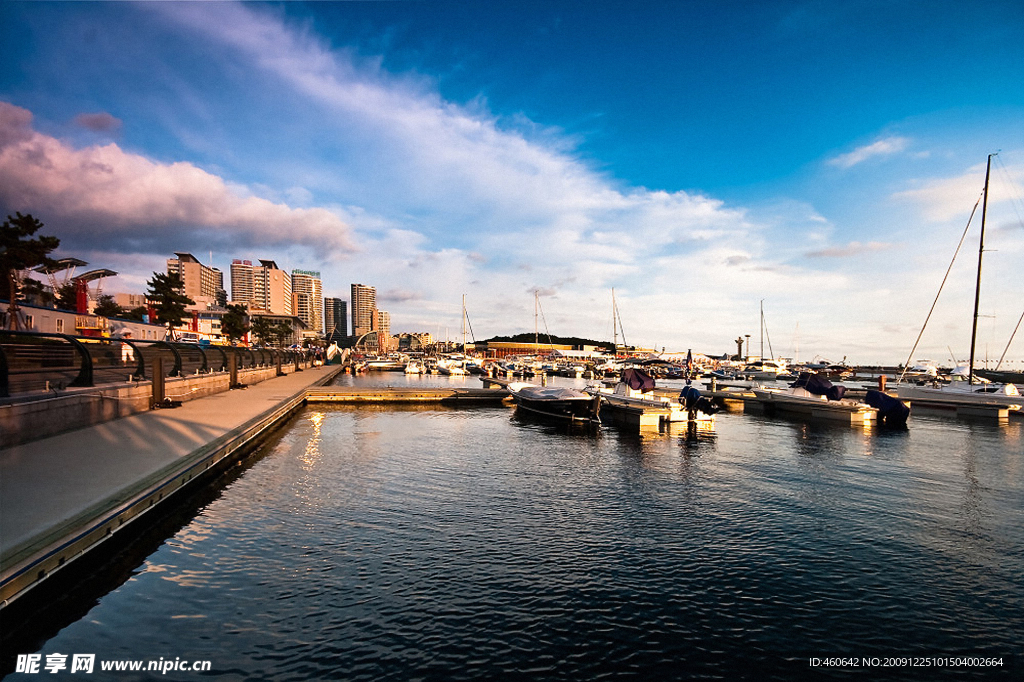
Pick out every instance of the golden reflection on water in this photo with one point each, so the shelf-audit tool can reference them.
(311, 455)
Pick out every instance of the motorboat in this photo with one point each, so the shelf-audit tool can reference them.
(636, 390)
(815, 396)
(561, 403)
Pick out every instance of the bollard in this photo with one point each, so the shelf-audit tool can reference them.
(233, 371)
(881, 383)
(158, 382)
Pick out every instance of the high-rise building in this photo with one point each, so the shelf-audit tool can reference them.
(202, 283)
(243, 285)
(384, 330)
(307, 299)
(264, 287)
(335, 319)
(364, 305)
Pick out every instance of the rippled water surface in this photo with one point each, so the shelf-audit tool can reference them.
(394, 544)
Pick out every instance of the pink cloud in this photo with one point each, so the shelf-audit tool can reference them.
(98, 123)
(111, 194)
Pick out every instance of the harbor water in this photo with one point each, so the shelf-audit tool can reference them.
(435, 543)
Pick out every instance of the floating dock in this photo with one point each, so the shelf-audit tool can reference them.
(392, 395)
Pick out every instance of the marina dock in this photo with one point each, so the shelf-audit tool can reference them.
(394, 395)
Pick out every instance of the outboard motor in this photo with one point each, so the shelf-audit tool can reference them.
(891, 411)
(691, 399)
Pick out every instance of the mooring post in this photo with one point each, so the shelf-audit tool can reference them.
(158, 382)
(233, 371)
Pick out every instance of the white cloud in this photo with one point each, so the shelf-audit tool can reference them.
(106, 192)
(884, 147)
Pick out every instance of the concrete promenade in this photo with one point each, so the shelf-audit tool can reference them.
(61, 495)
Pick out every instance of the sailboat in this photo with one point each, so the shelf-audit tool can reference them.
(973, 391)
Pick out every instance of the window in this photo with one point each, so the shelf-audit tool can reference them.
(30, 322)
(60, 325)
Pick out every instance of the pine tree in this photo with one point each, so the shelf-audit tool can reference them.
(168, 301)
(19, 251)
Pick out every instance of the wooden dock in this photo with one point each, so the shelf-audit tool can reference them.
(393, 395)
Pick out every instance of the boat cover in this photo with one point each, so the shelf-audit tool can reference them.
(819, 385)
(551, 394)
(637, 379)
(890, 410)
(691, 399)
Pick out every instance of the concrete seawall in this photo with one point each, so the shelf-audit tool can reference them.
(30, 418)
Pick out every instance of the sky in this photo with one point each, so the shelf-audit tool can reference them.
(702, 159)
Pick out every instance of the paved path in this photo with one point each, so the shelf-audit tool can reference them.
(46, 482)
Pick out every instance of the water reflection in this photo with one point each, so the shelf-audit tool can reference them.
(468, 543)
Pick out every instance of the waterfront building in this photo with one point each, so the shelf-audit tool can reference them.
(384, 330)
(243, 282)
(202, 283)
(263, 287)
(335, 319)
(364, 306)
(307, 297)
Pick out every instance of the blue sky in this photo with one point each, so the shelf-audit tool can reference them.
(697, 157)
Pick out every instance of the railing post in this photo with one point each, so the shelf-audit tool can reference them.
(280, 372)
(233, 370)
(158, 381)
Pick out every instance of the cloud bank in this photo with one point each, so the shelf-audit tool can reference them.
(105, 193)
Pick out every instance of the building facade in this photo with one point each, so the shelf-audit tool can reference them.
(335, 319)
(307, 299)
(384, 330)
(264, 287)
(364, 309)
(202, 283)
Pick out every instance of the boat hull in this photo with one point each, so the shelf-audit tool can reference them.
(847, 411)
(559, 404)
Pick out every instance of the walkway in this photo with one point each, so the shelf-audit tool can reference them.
(52, 488)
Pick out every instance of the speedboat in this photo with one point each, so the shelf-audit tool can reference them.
(556, 402)
(815, 396)
(636, 390)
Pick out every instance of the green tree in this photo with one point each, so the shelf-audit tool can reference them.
(19, 250)
(283, 331)
(168, 301)
(67, 296)
(263, 329)
(234, 323)
(107, 308)
(34, 293)
(137, 314)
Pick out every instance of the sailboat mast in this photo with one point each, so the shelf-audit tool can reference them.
(463, 323)
(536, 303)
(977, 286)
(615, 327)
(762, 331)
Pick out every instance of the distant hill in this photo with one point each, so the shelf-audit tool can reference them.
(544, 338)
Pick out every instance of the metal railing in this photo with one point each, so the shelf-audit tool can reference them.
(36, 361)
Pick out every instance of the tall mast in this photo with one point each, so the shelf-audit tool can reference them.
(536, 303)
(615, 326)
(463, 323)
(977, 286)
(762, 331)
